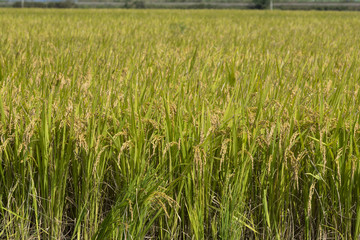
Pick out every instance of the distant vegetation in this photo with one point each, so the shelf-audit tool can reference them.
(255, 4)
(65, 4)
(191, 4)
(179, 125)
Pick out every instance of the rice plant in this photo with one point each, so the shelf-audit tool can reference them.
(158, 124)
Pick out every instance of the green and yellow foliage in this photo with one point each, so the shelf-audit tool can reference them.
(124, 124)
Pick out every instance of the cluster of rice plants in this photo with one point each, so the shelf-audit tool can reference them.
(157, 124)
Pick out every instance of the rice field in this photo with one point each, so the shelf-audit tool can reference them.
(199, 124)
